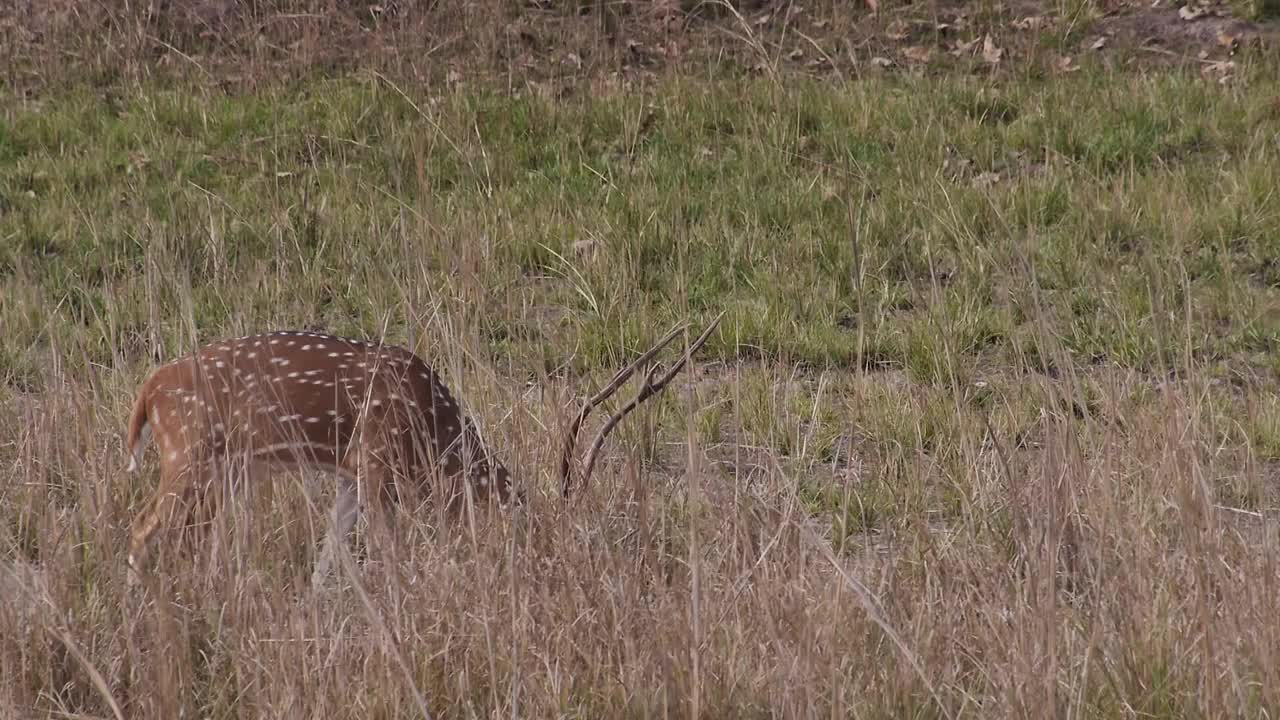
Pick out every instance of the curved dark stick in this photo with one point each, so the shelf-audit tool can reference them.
(648, 390)
(621, 377)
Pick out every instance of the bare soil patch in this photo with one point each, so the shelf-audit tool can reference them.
(238, 44)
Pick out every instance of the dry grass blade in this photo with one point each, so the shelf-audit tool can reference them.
(648, 390)
(389, 640)
(876, 615)
(26, 582)
(619, 378)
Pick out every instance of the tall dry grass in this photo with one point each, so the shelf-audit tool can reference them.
(1083, 564)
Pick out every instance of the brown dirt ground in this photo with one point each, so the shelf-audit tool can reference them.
(557, 44)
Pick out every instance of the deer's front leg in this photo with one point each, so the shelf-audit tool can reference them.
(173, 500)
(343, 517)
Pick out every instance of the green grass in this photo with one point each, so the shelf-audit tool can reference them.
(1032, 415)
(1118, 195)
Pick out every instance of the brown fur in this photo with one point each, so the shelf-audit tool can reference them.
(363, 411)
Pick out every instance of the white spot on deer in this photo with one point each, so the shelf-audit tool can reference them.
(294, 374)
(306, 347)
(313, 419)
(333, 354)
(280, 361)
(252, 355)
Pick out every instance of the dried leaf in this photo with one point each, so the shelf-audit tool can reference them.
(873, 5)
(990, 52)
(918, 53)
(883, 62)
(1066, 64)
(1189, 12)
(897, 30)
(1100, 43)
(1032, 23)
(795, 54)
(963, 46)
(1222, 69)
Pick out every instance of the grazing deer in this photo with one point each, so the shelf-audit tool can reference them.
(356, 410)
(375, 416)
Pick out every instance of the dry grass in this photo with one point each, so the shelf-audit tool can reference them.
(1079, 566)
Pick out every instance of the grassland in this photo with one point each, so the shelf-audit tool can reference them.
(989, 429)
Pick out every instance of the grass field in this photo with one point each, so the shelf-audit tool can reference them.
(990, 427)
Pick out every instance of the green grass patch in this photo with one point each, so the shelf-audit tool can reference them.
(1113, 216)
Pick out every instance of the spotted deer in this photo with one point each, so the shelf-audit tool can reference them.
(373, 415)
